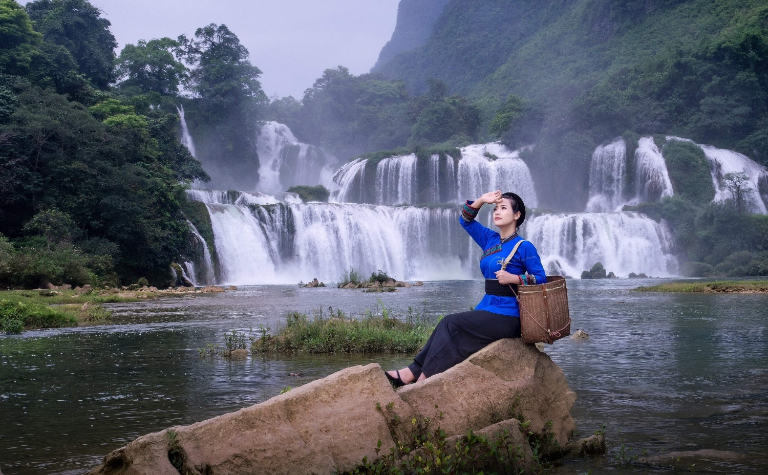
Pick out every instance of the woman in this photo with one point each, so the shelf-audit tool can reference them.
(497, 315)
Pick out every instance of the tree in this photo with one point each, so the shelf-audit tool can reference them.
(117, 176)
(738, 186)
(19, 43)
(54, 225)
(444, 118)
(225, 110)
(77, 25)
(223, 76)
(150, 66)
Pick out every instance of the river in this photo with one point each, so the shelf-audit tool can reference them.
(662, 372)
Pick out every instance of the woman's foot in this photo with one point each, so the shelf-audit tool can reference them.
(400, 377)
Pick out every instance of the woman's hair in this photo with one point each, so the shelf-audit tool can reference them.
(517, 205)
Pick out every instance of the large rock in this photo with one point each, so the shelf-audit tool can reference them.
(329, 425)
(326, 425)
(502, 381)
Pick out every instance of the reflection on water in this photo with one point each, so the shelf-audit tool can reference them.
(663, 372)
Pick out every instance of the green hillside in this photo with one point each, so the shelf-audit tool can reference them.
(590, 70)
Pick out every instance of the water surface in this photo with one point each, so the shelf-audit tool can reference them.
(662, 372)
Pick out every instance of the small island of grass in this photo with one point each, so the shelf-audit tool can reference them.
(721, 286)
(341, 333)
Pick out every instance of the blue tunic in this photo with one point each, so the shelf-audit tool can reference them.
(526, 260)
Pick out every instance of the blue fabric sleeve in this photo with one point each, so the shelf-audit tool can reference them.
(532, 262)
(479, 233)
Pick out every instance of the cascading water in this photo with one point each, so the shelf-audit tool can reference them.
(231, 197)
(186, 139)
(623, 242)
(651, 175)
(286, 162)
(395, 180)
(606, 177)
(723, 162)
(493, 166)
(260, 240)
(285, 243)
(408, 179)
(202, 274)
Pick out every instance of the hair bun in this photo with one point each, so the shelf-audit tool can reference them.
(517, 205)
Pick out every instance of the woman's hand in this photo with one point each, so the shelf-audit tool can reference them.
(490, 197)
(507, 278)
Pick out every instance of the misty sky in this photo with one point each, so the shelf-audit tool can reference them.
(291, 41)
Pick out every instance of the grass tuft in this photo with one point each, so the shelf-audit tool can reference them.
(337, 332)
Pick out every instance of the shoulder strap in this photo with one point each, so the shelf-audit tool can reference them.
(511, 254)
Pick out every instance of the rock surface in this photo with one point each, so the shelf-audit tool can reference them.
(330, 424)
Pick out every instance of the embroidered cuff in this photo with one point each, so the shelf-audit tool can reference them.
(468, 212)
(528, 279)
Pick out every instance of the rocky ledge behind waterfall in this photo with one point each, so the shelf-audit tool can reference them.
(331, 424)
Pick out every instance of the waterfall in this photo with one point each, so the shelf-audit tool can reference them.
(284, 243)
(286, 162)
(231, 197)
(351, 181)
(493, 166)
(727, 161)
(606, 177)
(408, 179)
(202, 274)
(186, 139)
(395, 179)
(622, 242)
(651, 175)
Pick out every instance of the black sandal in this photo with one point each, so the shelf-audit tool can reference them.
(396, 382)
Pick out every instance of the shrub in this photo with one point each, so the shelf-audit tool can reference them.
(689, 171)
(15, 316)
(379, 276)
(351, 276)
(311, 193)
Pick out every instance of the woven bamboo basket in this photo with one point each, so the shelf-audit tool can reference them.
(544, 315)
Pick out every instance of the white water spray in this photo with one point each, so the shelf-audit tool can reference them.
(186, 139)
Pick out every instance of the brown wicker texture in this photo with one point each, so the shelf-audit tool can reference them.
(544, 313)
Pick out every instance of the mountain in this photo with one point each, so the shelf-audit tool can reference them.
(591, 70)
(415, 19)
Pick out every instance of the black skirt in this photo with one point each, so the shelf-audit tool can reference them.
(459, 335)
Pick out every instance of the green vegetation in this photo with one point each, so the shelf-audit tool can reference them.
(92, 171)
(716, 238)
(16, 315)
(341, 333)
(25, 310)
(423, 447)
(78, 26)
(353, 115)
(689, 171)
(311, 193)
(352, 276)
(724, 286)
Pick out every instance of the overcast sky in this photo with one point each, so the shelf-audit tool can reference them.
(291, 41)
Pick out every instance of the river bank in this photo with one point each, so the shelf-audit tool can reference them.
(65, 307)
(722, 286)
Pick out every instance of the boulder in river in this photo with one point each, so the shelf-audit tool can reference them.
(331, 424)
